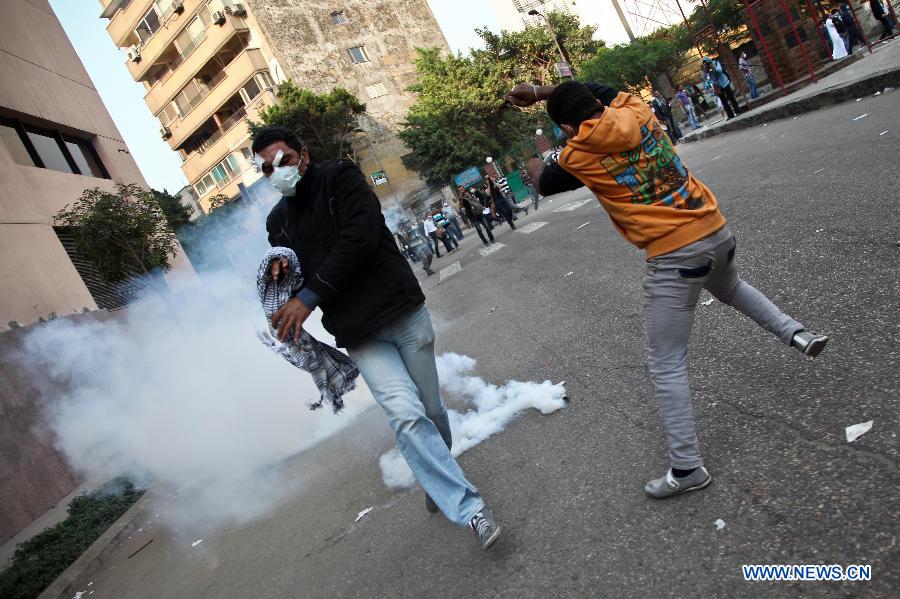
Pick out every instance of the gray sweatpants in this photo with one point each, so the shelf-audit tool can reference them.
(672, 286)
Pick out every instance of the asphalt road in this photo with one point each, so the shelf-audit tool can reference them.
(812, 202)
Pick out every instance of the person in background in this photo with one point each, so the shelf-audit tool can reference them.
(470, 207)
(430, 230)
(529, 185)
(500, 206)
(618, 150)
(442, 233)
(853, 34)
(688, 105)
(418, 245)
(664, 113)
(452, 221)
(882, 16)
(485, 202)
(372, 303)
(747, 72)
(722, 86)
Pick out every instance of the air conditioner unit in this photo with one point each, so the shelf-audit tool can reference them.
(237, 9)
(165, 132)
(178, 7)
(134, 54)
(218, 17)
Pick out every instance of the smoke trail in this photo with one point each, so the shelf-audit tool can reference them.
(494, 408)
(393, 214)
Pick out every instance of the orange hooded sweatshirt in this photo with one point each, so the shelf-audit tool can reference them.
(627, 160)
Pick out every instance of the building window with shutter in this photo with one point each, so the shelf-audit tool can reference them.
(376, 90)
(339, 18)
(358, 54)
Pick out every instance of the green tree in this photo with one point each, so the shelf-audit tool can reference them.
(632, 66)
(176, 213)
(459, 116)
(324, 122)
(122, 232)
(724, 16)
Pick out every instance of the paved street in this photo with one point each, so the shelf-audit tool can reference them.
(812, 203)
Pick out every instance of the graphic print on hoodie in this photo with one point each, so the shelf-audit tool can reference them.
(628, 161)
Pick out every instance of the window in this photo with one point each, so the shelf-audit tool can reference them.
(339, 18)
(10, 138)
(221, 174)
(83, 157)
(188, 98)
(358, 54)
(377, 90)
(168, 114)
(148, 25)
(190, 37)
(250, 90)
(266, 80)
(44, 148)
(48, 148)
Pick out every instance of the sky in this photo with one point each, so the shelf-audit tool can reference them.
(124, 98)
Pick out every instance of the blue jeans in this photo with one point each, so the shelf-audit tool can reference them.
(398, 366)
(751, 83)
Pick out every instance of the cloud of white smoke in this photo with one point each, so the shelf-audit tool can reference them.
(494, 408)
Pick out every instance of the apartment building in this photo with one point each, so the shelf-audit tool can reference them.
(208, 65)
(56, 141)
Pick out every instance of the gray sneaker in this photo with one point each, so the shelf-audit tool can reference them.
(430, 505)
(669, 486)
(486, 530)
(809, 343)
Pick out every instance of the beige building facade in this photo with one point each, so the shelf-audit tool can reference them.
(208, 65)
(56, 140)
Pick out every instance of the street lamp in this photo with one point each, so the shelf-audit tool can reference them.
(377, 159)
(562, 55)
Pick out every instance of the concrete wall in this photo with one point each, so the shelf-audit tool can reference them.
(312, 50)
(33, 475)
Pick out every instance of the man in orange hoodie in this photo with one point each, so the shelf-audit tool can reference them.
(617, 149)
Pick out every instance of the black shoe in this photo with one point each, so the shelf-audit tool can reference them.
(809, 343)
(429, 272)
(430, 505)
(486, 530)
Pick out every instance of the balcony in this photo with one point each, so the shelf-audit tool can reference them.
(223, 139)
(216, 93)
(122, 24)
(209, 53)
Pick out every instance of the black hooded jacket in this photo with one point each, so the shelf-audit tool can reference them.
(352, 268)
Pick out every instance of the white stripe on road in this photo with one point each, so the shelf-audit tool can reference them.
(496, 246)
(531, 227)
(571, 206)
(449, 271)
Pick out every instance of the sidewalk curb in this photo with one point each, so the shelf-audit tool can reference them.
(93, 555)
(827, 97)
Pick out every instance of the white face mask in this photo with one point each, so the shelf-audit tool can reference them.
(284, 178)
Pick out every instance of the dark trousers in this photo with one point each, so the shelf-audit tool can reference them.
(434, 239)
(480, 222)
(887, 25)
(727, 96)
(449, 241)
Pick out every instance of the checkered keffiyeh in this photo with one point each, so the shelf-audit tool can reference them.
(333, 371)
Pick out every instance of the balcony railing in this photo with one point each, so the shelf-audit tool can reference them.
(227, 124)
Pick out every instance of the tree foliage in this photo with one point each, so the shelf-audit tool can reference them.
(176, 213)
(631, 66)
(122, 232)
(324, 122)
(459, 118)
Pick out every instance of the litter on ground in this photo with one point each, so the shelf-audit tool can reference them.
(720, 524)
(862, 116)
(583, 226)
(197, 542)
(363, 513)
(572, 272)
(882, 133)
(856, 431)
(708, 302)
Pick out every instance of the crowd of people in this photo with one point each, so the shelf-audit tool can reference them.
(481, 209)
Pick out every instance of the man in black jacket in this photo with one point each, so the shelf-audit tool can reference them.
(372, 303)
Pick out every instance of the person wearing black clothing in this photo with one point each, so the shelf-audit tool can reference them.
(372, 303)
(664, 113)
(471, 208)
(500, 204)
(882, 16)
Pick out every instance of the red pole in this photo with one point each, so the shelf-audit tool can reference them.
(860, 29)
(812, 12)
(765, 46)
(790, 19)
